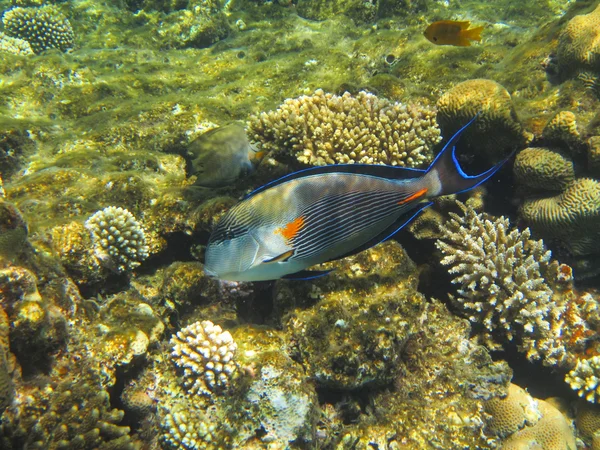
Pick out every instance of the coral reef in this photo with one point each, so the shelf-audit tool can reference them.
(325, 128)
(496, 130)
(371, 328)
(587, 422)
(43, 28)
(501, 273)
(206, 354)
(119, 239)
(13, 231)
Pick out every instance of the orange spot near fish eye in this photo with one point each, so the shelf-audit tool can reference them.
(416, 195)
(291, 229)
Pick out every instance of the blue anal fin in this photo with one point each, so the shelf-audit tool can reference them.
(307, 274)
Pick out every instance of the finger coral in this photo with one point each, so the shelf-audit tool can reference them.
(496, 130)
(44, 28)
(206, 354)
(119, 239)
(324, 128)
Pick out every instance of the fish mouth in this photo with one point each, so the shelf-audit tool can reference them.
(210, 273)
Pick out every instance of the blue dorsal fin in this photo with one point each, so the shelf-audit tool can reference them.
(307, 274)
(376, 170)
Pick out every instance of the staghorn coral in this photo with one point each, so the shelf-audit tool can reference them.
(585, 378)
(119, 239)
(496, 131)
(579, 45)
(44, 28)
(543, 169)
(206, 354)
(500, 273)
(572, 217)
(325, 129)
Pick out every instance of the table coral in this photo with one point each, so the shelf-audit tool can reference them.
(44, 28)
(206, 355)
(324, 128)
(119, 239)
(496, 130)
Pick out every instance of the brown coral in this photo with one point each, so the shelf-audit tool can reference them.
(562, 130)
(543, 169)
(325, 129)
(587, 419)
(496, 129)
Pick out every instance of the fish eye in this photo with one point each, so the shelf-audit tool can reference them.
(435, 39)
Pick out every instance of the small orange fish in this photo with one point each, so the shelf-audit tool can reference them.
(452, 32)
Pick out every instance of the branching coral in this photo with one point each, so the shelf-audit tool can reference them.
(206, 354)
(44, 28)
(119, 239)
(325, 128)
(585, 378)
(501, 272)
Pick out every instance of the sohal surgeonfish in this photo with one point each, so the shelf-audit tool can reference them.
(327, 213)
(222, 155)
(452, 32)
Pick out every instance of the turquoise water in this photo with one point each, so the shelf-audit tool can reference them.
(114, 173)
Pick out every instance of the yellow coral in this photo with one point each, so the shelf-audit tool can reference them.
(552, 432)
(511, 413)
(562, 128)
(587, 419)
(496, 130)
(325, 129)
(543, 169)
(579, 44)
(572, 216)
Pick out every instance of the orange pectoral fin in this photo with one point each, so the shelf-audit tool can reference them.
(291, 230)
(417, 195)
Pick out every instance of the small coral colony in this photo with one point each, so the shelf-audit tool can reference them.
(428, 171)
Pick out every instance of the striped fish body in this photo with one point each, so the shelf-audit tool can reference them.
(306, 221)
(326, 213)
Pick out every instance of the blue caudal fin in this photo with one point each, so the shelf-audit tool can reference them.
(449, 173)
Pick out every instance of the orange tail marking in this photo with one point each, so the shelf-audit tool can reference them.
(420, 193)
(291, 229)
